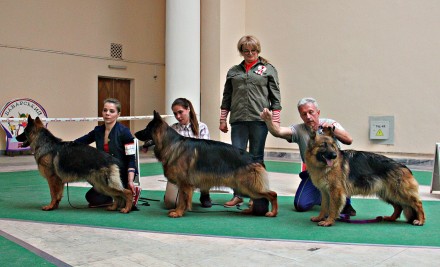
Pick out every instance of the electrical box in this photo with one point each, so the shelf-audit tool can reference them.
(382, 129)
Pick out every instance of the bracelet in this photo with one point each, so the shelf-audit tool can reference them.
(222, 121)
(132, 171)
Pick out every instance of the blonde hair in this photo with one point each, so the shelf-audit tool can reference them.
(250, 41)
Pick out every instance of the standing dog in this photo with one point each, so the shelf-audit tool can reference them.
(341, 173)
(62, 162)
(199, 163)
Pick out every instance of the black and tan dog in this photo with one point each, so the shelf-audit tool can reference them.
(341, 173)
(62, 162)
(199, 163)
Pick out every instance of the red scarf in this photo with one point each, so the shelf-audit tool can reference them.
(248, 66)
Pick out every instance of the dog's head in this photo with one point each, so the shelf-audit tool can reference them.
(29, 133)
(323, 147)
(148, 134)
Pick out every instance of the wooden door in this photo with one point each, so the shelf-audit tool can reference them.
(114, 88)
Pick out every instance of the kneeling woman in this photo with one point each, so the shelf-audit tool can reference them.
(117, 140)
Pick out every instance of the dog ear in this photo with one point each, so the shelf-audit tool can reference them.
(29, 119)
(38, 122)
(329, 130)
(156, 115)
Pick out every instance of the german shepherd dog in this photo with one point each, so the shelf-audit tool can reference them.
(341, 173)
(199, 163)
(62, 162)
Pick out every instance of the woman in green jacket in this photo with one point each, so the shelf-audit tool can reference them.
(250, 87)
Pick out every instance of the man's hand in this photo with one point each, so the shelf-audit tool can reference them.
(266, 115)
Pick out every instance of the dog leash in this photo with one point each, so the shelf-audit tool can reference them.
(68, 199)
(346, 218)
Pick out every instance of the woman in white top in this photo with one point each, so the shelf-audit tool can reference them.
(187, 125)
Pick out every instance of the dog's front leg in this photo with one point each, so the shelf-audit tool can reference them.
(337, 200)
(184, 193)
(56, 188)
(324, 208)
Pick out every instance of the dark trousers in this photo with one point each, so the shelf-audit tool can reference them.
(254, 132)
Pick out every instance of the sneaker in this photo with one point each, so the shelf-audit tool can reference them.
(348, 210)
(137, 194)
(235, 201)
(205, 201)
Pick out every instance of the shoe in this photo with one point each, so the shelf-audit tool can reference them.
(235, 201)
(205, 200)
(348, 210)
(137, 194)
(205, 203)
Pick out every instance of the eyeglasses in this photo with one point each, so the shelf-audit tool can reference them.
(247, 52)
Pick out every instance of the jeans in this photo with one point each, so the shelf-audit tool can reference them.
(254, 132)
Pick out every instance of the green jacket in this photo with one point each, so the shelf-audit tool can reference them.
(246, 94)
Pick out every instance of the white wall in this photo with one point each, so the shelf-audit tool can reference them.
(66, 85)
(357, 58)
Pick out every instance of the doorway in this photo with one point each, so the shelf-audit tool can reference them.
(114, 88)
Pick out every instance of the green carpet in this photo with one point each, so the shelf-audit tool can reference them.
(15, 255)
(24, 193)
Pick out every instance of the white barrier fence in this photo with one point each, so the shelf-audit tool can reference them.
(125, 118)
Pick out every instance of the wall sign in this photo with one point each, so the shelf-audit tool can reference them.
(19, 108)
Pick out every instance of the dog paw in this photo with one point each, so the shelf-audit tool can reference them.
(174, 214)
(326, 223)
(48, 207)
(417, 223)
(316, 219)
(270, 214)
(124, 210)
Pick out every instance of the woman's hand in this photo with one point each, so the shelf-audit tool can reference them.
(223, 126)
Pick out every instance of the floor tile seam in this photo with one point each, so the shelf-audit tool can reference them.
(35, 250)
(224, 236)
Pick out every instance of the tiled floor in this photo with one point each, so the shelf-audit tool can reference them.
(91, 246)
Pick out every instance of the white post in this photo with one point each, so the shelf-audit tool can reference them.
(182, 52)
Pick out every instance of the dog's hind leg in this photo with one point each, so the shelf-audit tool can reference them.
(128, 197)
(273, 199)
(412, 205)
(56, 188)
(272, 196)
(114, 205)
(415, 213)
(396, 213)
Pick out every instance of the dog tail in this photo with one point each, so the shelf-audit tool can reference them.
(256, 181)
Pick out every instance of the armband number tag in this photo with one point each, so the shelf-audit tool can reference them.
(130, 149)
